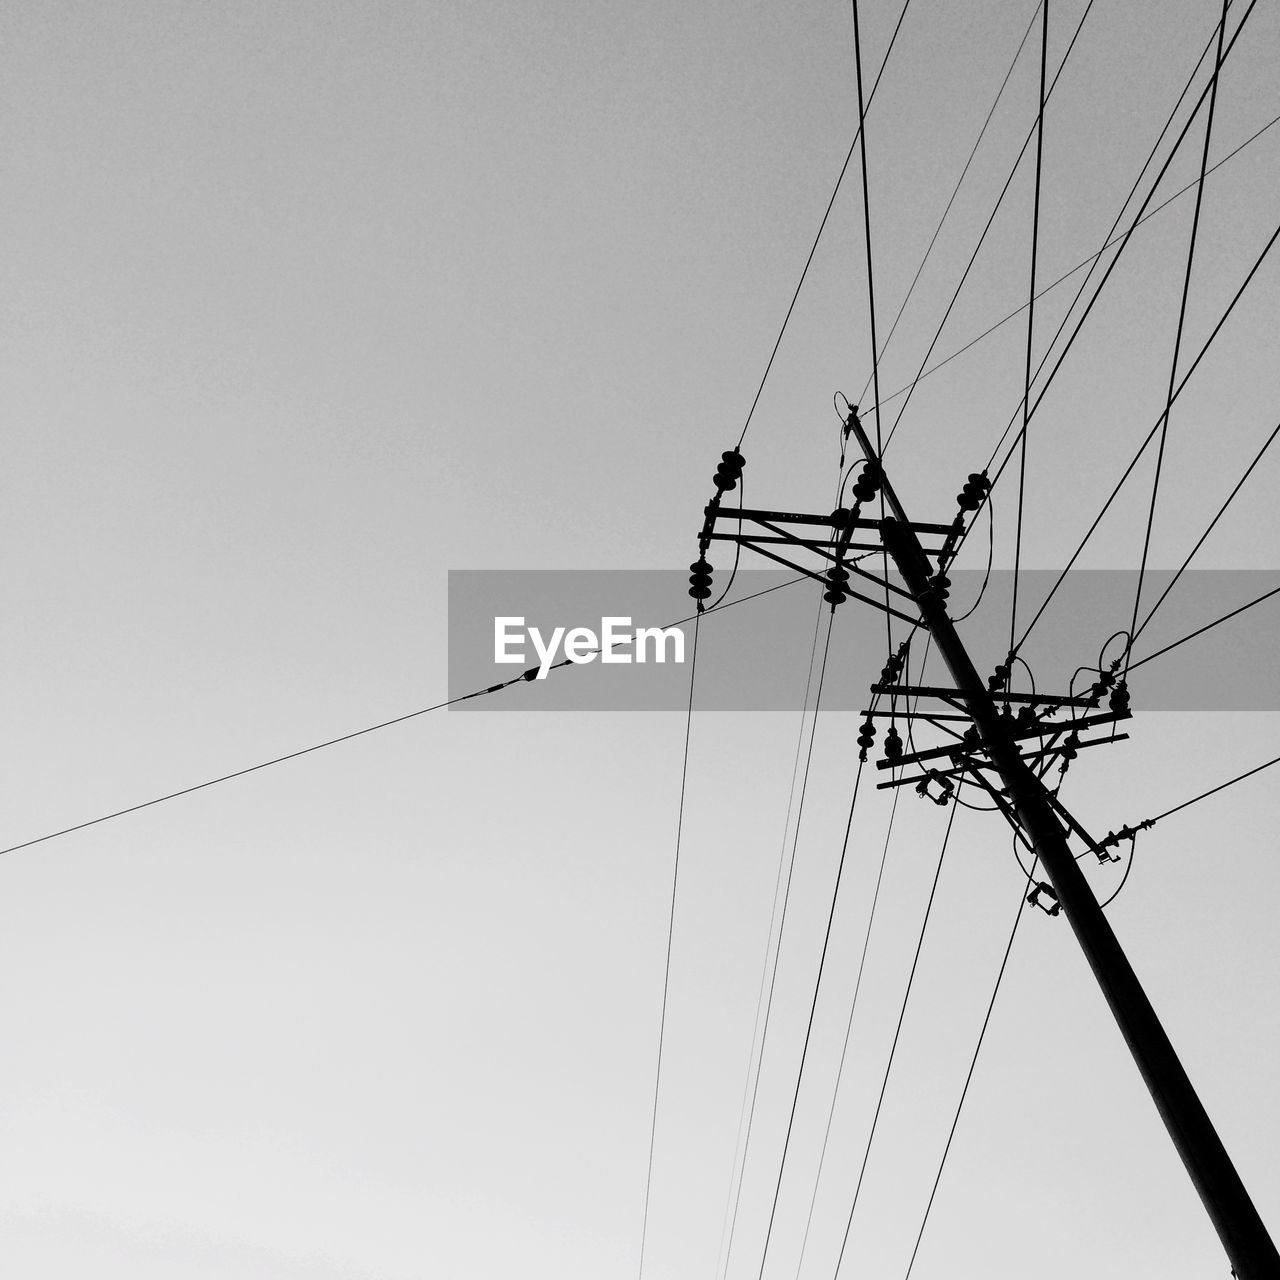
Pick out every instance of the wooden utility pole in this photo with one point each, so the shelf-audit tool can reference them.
(1250, 1249)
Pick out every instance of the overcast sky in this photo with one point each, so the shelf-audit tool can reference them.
(307, 305)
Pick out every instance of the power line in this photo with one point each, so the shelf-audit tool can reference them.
(786, 898)
(359, 733)
(893, 1049)
(1130, 832)
(1031, 315)
(1084, 262)
(671, 929)
(973, 257)
(1201, 540)
(866, 223)
(1213, 791)
(848, 1029)
(822, 225)
(265, 764)
(813, 1008)
(1149, 437)
(955, 191)
(1182, 315)
(968, 1079)
(1139, 219)
(1097, 293)
(1266, 595)
(1108, 240)
(738, 1171)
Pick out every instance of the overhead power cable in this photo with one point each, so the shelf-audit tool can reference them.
(1097, 293)
(264, 764)
(1131, 832)
(968, 1079)
(813, 1009)
(786, 898)
(848, 1029)
(871, 293)
(977, 248)
(866, 224)
(1182, 316)
(1201, 540)
(1128, 471)
(1213, 791)
(893, 1048)
(1084, 262)
(835, 191)
(955, 191)
(1111, 238)
(671, 930)
(751, 1088)
(1226, 617)
(356, 733)
(1031, 316)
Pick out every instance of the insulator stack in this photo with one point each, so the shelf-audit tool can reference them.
(866, 738)
(893, 667)
(1113, 838)
(976, 487)
(941, 585)
(700, 580)
(867, 485)
(892, 744)
(1000, 679)
(1100, 686)
(837, 585)
(729, 472)
(1119, 700)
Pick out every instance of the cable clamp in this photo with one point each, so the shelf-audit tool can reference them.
(1044, 891)
(946, 789)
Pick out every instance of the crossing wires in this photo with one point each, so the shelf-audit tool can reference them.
(893, 1049)
(1182, 316)
(835, 191)
(666, 970)
(1031, 315)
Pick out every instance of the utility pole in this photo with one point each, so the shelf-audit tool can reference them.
(1244, 1237)
(991, 743)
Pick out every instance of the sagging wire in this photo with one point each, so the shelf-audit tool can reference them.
(666, 972)
(763, 1033)
(822, 225)
(1226, 617)
(1102, 284)
(1084, 262)
(848, 1030)
(973, 1062)
(1182, 315)
(902, 1013)
(813, 1009)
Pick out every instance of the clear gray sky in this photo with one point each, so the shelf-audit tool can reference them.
(307, 304)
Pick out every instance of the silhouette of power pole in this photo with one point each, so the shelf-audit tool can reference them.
(991, 744)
